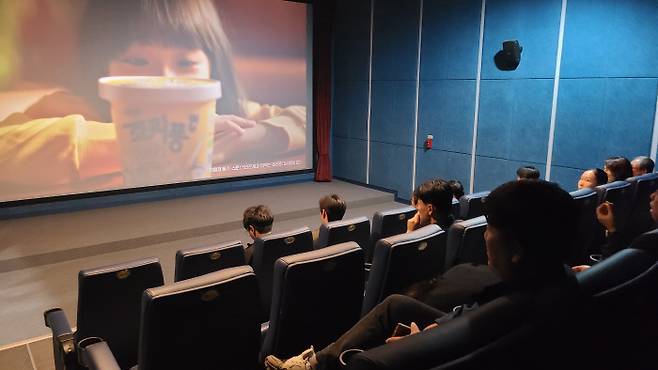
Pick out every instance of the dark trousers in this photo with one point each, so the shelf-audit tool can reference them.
(377, 325)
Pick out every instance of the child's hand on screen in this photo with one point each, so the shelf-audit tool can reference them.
(231, 124)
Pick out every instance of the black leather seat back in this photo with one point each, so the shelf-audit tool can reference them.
(470, 205)
(268, 249)
(402, 260)
(640, 220)
(351, 230)
(588, 230)
(109, 300)
(466, 242)
(195, 262)
(620, 194)
(388, 223)
(211, 321)
(455, 208)
(317, 296)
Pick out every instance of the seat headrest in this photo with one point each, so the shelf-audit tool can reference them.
(203, 250)
(119, 267)
(285, 234)
(200, 282)
(346, 223)
(414, 236)
(583, 193)
(320, 254)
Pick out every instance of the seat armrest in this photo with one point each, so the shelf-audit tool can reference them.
(95, 354)
(63, 339)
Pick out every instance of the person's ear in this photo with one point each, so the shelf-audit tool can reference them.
(430, 210)
(324, 216)
(252, 231)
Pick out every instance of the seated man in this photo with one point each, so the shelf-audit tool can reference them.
(257, 221)
(617, 241)
(527, 173)
(433, 202)
(332, 208)
(642, 166)
(523, 249)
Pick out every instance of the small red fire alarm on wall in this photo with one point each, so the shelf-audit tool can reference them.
(428, 142)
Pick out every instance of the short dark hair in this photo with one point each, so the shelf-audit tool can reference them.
(620, 167)
(260, 217)
(334, 205)
(457, 188)
(439, 194)
(600, 175)
(528, 172)
(645, 163)
(541, 217)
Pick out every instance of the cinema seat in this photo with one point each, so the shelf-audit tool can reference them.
(620, 194)
(639, 219)
(207, 322)
(589, 231)
(470, 205)
(316, 297)
(109, 301)
(269, 248)
(402, 260)
(466, 242)
(199, 261)
(388, 223)
(351, 230)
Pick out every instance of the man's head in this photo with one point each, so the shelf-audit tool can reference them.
(527, 172)
(332, 208)
(457, 188)
(257, 221)
(530, 231)
(433, 202)
(642, 165)
(617, 168)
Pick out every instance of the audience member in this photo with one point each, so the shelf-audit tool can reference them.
(528, 173)
(457, 189)
(642, 166)
(332, 208)
(523, 249)
(617, 241)
(592, 178)
(257, 220)
(433, 202)
(617, 168)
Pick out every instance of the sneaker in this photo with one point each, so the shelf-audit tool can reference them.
(299, 362)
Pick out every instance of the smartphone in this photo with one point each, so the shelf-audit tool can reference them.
(401, 330)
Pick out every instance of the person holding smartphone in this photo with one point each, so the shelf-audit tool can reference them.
(522, 248)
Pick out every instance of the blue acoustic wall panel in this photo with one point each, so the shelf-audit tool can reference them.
(611, 38)
(349, 158)
(395, 39)
(446, 109)
(351, 40)
(566, 177)
(392, 119)
(492, 172)
(451, 32)
(598, 118)
(535, 23)
(350, 109)
(446, 165)
(515, 119)
(391, 166)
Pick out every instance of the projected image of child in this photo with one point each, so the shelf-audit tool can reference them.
(66, 139)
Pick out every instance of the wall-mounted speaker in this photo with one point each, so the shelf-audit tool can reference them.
(509, 58)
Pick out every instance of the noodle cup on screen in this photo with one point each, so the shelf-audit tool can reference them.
(164, 126)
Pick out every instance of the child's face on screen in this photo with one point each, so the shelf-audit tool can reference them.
(142, 59)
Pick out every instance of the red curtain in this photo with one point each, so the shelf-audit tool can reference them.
(323, 14)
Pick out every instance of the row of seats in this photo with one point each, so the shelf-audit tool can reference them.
(214, 318)
(430, 250)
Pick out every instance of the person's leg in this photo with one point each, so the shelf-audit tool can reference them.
(377, 325)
